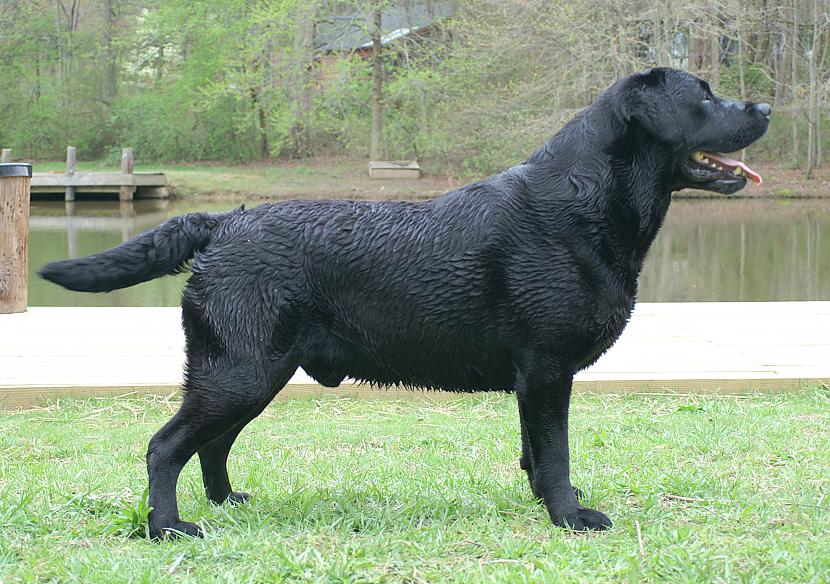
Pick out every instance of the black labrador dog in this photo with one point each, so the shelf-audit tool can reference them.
(513, 283)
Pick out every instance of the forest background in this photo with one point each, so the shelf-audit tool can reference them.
(465, 87)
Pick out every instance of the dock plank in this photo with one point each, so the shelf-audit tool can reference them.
(98, 179)
(49, 352)
(148, 184)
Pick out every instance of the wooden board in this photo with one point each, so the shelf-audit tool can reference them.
(394, 169)
(98, 179)
(683, 347)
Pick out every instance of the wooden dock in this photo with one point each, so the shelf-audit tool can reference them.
(52, 352)
(126, 184)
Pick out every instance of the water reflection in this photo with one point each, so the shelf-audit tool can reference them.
(708, 250)
(77, 224)
(742, 249)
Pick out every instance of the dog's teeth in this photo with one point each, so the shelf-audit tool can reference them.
(698, 155)
(738, 170)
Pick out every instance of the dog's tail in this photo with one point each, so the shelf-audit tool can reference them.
(155, 253)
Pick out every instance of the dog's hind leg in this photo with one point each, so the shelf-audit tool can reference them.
(526, 462)
(544, 392)
(217, 399)
(213, 456)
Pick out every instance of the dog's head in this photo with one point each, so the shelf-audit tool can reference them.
(680, 110)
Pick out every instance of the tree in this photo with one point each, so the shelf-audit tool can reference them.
(301, 87)
(376, 150)
(245, 79)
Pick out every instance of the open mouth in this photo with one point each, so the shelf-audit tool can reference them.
(708, 166)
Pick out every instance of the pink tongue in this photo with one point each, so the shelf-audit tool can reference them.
(726, 161)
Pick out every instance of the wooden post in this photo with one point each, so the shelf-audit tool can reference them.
(126, 192)
(70, 170)
(6, 155)
(71, 230)
(15, 182)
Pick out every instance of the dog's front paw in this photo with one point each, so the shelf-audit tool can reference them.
(176, 530)
(580, 518)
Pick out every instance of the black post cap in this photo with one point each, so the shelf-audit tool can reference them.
(15, 169)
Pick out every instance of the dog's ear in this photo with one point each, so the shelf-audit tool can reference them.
(646, 101)
(634, 91)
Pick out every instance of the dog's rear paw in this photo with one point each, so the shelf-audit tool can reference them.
(581, 519)
(233, 498)
(177, 530)
(238, 497)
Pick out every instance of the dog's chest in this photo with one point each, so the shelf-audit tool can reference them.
(610, 324)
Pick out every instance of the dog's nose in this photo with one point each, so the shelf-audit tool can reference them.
(764, 109)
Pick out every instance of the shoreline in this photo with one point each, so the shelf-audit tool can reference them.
(340, 177)
(780, 182)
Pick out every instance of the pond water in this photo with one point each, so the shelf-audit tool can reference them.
(708, 250)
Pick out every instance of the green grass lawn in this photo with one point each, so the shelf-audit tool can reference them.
(701, 489)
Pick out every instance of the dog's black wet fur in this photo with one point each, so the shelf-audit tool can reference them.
(513, 283)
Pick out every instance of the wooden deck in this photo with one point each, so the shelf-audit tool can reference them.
(703, 347)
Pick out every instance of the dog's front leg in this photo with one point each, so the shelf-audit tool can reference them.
(544, 395)
(526, 464)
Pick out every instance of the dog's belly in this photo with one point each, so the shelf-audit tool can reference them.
(460, 366)
(455, 366)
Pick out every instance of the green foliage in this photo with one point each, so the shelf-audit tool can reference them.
(342, 108)
(131, 519)
(759, 85)
(777, 144)
(230, 79)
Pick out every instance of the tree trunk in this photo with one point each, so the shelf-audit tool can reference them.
(109, 87)
(812, 114)
(160, 62)
(794, 83)
(818, 132)
(302, 80)
(739, 35)
(714, 47)
(264, 147)
(777, 73)
(61, 50)
(662, 42)
(621, 62)
(262, 126)
(376, 148)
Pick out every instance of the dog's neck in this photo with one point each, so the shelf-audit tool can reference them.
(634, 169)
(642, 171)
